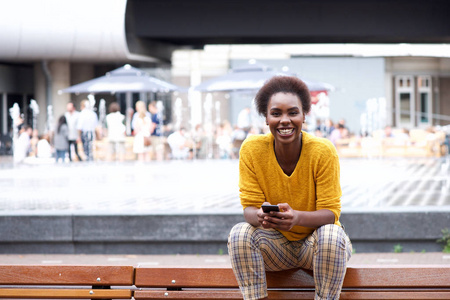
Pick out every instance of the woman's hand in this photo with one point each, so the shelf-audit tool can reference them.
(283, 220)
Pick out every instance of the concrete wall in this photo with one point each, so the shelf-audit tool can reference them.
(198, 234)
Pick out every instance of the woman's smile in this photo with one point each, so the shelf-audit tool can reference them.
(285, 131)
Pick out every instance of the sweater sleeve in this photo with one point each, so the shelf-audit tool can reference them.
(328, 187)
(250, 190)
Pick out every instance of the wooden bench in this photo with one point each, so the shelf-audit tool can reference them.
(361, 282)
(125, 282)
(66, 282)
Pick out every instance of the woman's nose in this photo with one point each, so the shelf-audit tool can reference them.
(285, 119)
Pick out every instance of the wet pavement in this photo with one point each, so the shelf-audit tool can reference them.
(206, 186)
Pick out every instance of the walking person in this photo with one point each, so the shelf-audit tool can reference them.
(72, 116)
(143, 126)
(115, 125)
(299, 174)
(61, 139)
(87, 122)
(157, 146)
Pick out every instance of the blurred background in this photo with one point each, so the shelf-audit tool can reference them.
(379, 76)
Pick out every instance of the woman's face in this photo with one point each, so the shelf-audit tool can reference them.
(285, 117)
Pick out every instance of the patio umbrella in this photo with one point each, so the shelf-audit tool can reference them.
(251, 77)
(122, 80)
(126, 79)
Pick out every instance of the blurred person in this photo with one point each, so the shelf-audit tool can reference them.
(338, 133)
(238, 136)
(387, 132)
(61, 139)
(244, 120)
(72, 116)
(157, 146)
(22, 145)
(86, 125)
(298, 174)
(43, 147)
(343, 122)
(116, 131)
(329, 127)
(179, 144)
(200, 142)
(224, 140)
(141, 104)
(143, 126)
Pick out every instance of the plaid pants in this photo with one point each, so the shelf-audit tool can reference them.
(254, 250)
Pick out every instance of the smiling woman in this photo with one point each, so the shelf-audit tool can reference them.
(299, 173)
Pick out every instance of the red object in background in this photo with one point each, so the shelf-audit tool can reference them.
(315, 96)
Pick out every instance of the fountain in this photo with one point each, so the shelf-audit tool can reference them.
(35, 109)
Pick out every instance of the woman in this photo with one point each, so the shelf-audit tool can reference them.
(115, 123)
(143, 126)
(299, 173)
(61, 139)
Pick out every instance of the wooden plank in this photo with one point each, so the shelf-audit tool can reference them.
(66, 275)
(185, 277)
(215, 278)
(431, 276)
(217, 294)
(395, 295)
(25, 293)
(291, 295)
(362, 277)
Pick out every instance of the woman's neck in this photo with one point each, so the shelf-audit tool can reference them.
(288, 155)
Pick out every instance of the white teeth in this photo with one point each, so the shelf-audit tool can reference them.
(285, 131)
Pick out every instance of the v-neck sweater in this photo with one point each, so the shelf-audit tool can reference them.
(314, 184)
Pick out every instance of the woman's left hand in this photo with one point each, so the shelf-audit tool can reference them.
(283, 220)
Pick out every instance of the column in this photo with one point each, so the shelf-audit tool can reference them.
(60, 74)
(5, 115)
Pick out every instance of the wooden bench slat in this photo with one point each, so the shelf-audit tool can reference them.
(398, 277)
(218, 294)
(216, 278)
(185, 277)
(291, 295)
(395, 295)
(65, 294)
(66, 275)
(364, 277)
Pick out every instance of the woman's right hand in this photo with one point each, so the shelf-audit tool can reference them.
(264, 218)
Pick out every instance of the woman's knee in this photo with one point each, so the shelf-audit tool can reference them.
(331, 236)
(240, 232)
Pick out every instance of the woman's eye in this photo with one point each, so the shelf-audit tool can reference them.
(293, 113)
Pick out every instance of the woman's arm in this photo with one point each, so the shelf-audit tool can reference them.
(288, 218)
(250, 215)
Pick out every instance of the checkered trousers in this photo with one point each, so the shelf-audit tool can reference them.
(253, 250)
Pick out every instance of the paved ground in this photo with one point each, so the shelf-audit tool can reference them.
(204, 187)
(207, 186)
(433, 258)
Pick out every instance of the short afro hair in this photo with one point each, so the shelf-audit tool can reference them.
(282, 84)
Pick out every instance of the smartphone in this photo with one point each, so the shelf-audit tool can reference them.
(268, 208)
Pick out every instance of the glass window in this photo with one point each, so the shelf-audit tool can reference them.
(424, 107)
(405, 108)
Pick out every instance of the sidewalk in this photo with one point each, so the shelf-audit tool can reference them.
(432, 258)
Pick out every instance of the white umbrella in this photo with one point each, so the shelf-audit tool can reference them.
(122, 80)
(252, 77)
(126, 79)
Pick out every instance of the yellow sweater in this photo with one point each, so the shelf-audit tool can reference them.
(314, 184)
